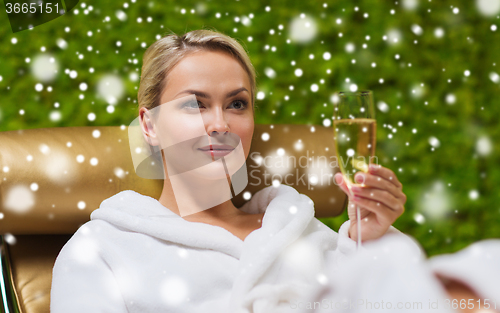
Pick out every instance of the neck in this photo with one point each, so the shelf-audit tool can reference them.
(194, 193)
(220, 211)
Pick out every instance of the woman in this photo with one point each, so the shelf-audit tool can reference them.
(192, 250)
(203, 69)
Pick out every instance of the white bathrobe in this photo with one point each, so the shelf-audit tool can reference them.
(135, 255)
(388, 275)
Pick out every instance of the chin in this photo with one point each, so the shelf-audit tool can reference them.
(216, 170)
(212, 171)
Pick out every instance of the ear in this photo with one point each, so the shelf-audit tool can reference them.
(148, 128)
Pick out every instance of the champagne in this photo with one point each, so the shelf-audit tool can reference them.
(355, 142)
(354, 130)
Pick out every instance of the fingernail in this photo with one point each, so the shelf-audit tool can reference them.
(355, 197)
(338, 179)
(374, 167)
(359, 178)
(356, 188)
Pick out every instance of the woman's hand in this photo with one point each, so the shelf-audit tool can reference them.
(379, 194)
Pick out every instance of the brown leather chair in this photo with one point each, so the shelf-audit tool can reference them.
(49, 187)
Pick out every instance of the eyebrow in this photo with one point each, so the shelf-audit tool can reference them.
(202, 94)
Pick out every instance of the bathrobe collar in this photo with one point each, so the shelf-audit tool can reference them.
(286, 212)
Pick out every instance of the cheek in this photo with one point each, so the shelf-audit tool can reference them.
(244, 129)
(177, 128)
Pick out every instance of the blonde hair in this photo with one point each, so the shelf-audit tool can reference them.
(161, 57)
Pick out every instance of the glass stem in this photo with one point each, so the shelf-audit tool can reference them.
(358, 215)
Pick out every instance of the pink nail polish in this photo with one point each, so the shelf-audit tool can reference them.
(359, 178)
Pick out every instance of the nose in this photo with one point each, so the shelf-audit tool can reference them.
(216, 123)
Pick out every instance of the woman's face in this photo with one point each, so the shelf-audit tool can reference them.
(205, 111)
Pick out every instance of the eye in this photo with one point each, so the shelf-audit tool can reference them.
(192, 105)
(239, 104)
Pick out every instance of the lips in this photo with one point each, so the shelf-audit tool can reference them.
(216, 150)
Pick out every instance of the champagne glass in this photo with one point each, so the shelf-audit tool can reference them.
(354, 129)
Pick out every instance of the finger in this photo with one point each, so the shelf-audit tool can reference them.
(341, 182)
(384, 214)
(385, 173)
(378, 195)
(352, 213)
(379, 183)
